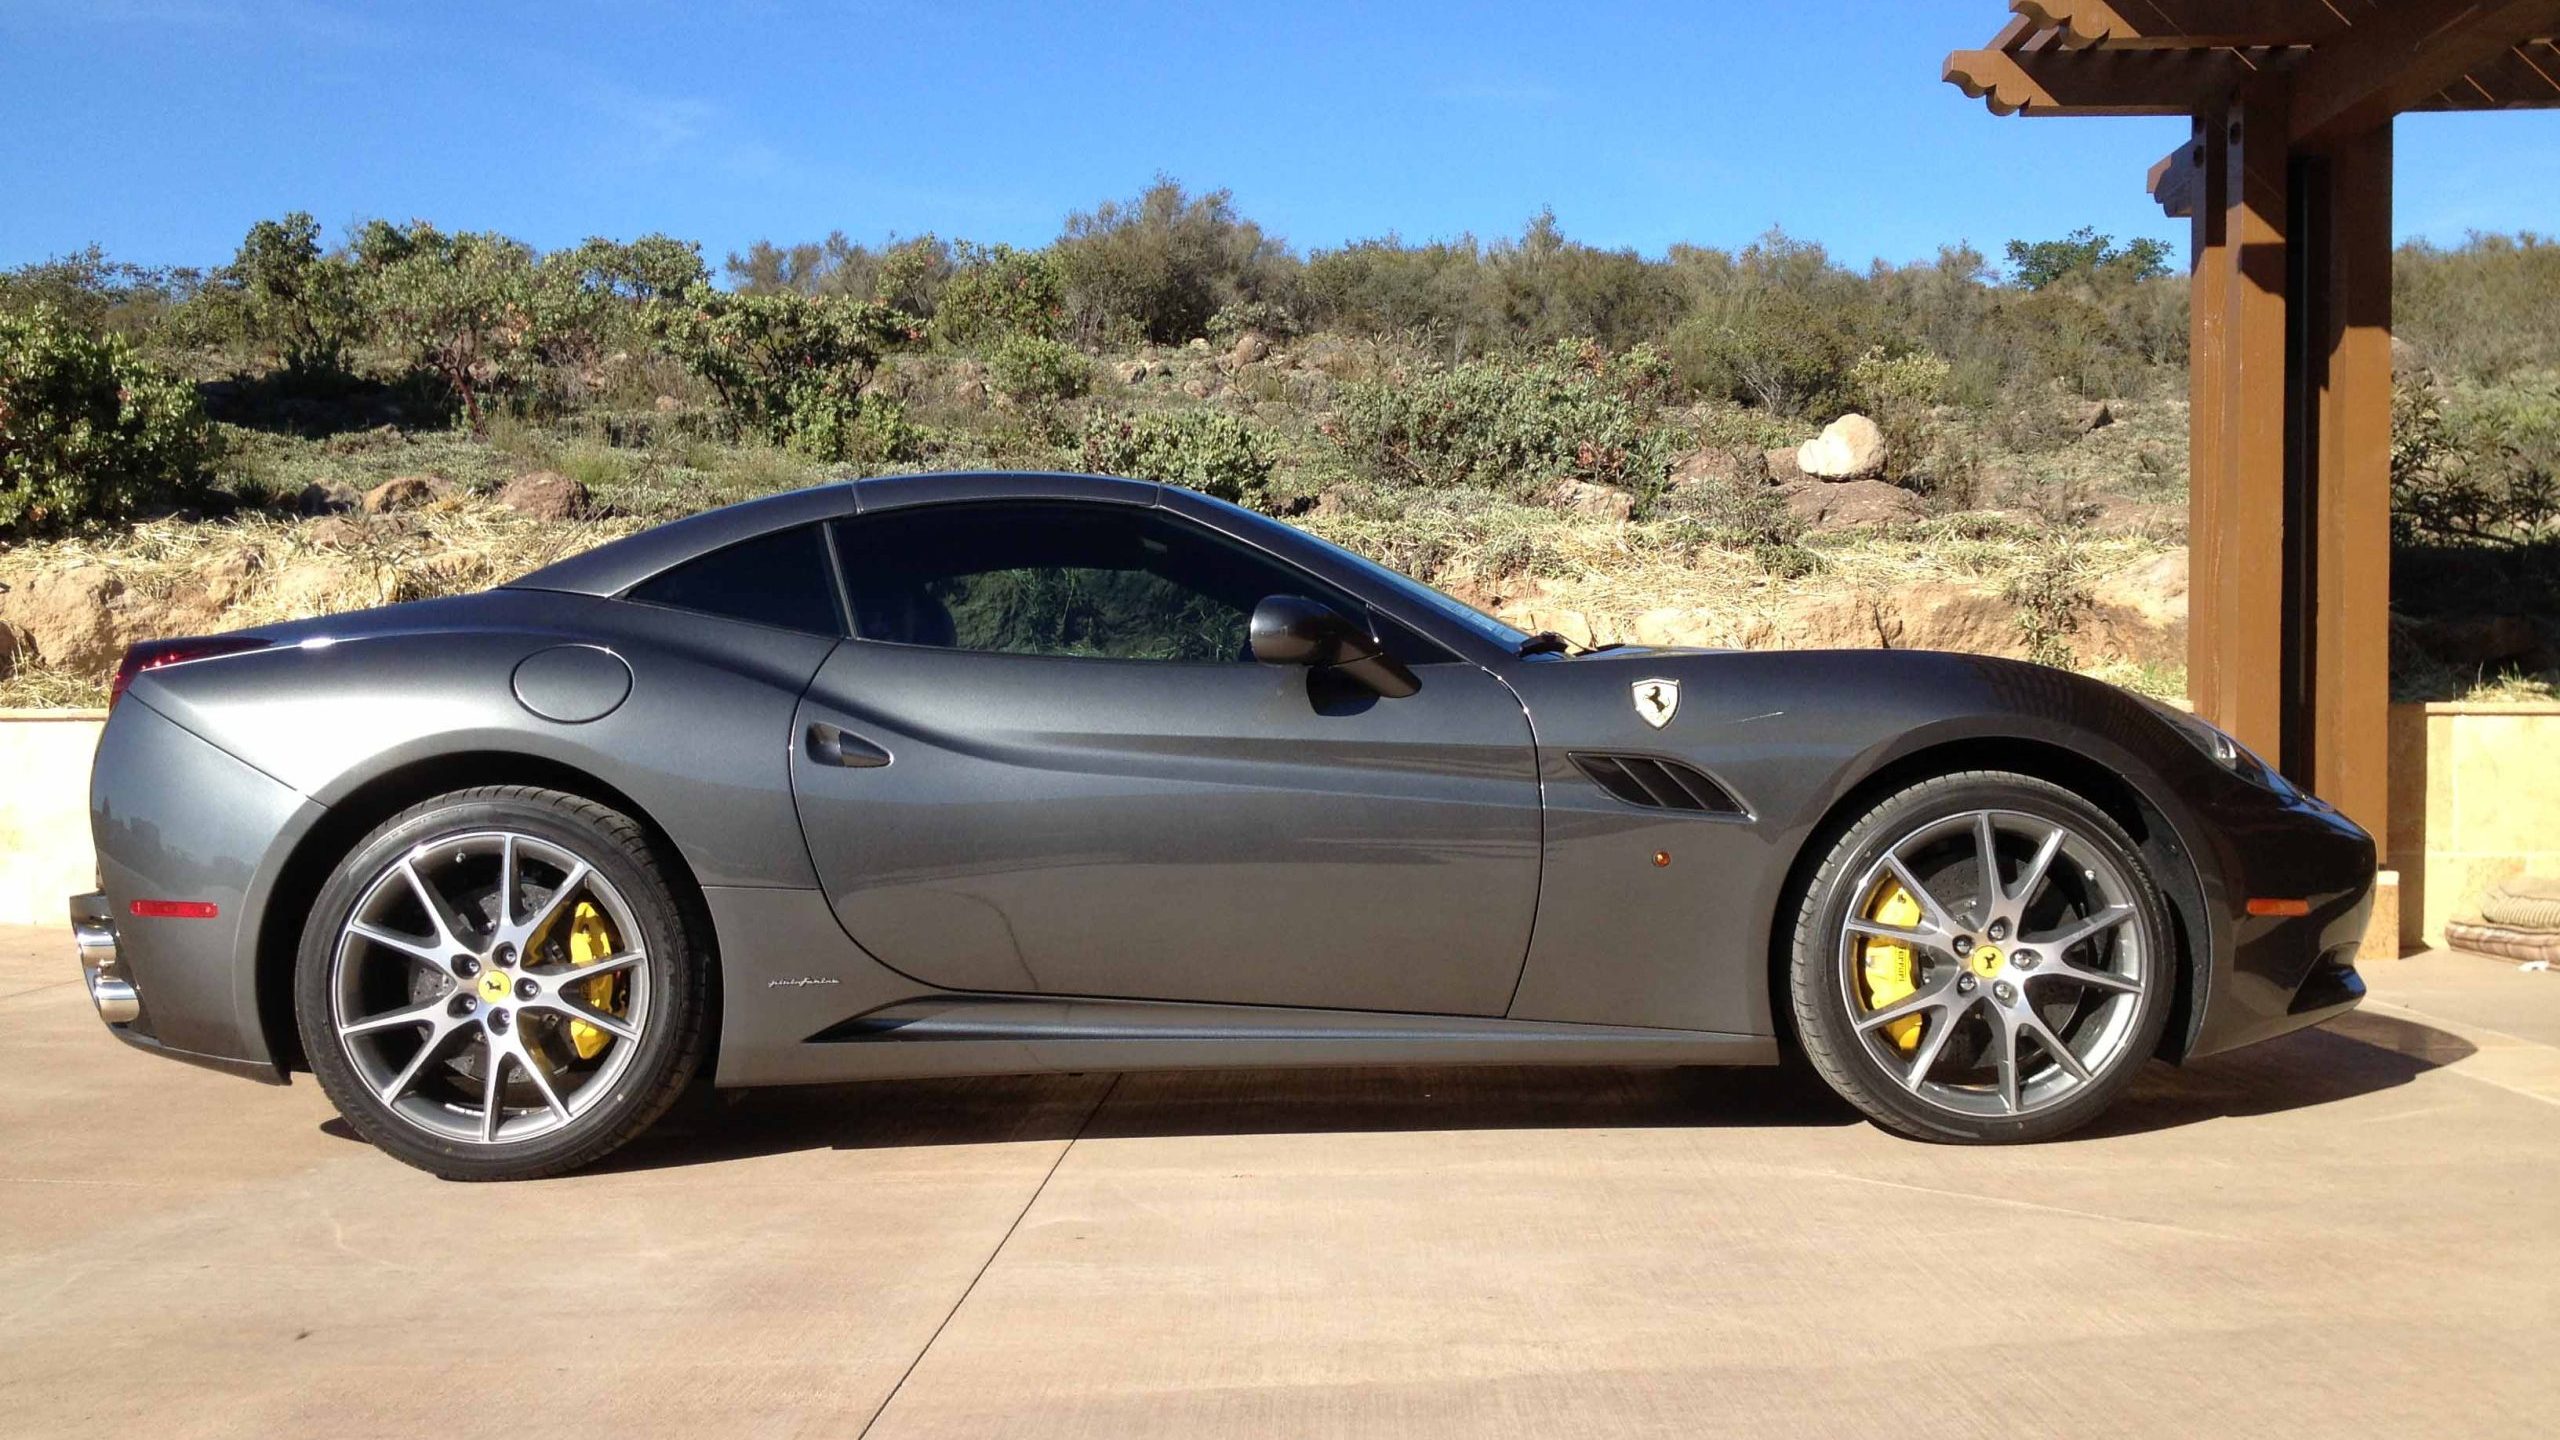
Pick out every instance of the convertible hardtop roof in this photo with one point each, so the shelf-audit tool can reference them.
(613, 568)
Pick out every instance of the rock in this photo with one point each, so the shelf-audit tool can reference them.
(1781, 465)
(403, 492)
(1849, 448)
(67, 619)
(1721, 469)
(1332, 500)
(2096, 415)
(1601, 502)
(547, 495)
(668, 404)
(1251, 347)
(2408, 362)
(325, 497)
(1198, 389)
(2138, 614)
(1852, 504)
(1134, 372)
(225, 581)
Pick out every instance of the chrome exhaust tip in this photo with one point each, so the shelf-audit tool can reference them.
(93, 930)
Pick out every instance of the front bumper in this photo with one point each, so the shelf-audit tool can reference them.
(2281, 972)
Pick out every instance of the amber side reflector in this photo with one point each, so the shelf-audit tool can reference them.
(175, 909)
(2279, 907)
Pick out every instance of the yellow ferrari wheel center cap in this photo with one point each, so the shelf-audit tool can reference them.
(1985, 960)
(493, 985)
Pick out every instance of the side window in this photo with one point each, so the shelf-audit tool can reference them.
(779, 580)
(1099, 581)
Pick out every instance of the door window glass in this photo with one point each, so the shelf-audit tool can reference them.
(1097, 581)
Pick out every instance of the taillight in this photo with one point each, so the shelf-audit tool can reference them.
(152, 654)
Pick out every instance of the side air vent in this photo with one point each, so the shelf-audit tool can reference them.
(1657, 784)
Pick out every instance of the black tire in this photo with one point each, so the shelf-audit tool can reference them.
(669, 1049)
(1827, 1027)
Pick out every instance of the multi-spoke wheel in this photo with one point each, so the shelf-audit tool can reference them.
(498, 984)
(1982, 957)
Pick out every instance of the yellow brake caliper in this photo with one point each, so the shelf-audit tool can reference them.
(1888, 966)
(591, 940)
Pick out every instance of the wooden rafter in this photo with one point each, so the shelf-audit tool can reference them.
(2348, 60)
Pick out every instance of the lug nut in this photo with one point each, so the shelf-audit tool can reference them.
(1965, 983)
(526, 989)
(462, 1005)
(2004, 992)
(465, 966)
(1963, 946)
(505, 955)
(498, 1021)
(2025, 959)
(1999, 929)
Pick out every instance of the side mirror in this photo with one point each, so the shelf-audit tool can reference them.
(1294, 630)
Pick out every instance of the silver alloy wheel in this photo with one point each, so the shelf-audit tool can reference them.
(453, 991)
(2030, 944)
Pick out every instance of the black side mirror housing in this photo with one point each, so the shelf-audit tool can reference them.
(1294, 630)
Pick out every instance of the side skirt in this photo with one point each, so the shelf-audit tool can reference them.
(992, 1035)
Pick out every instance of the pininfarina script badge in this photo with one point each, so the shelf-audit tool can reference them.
(1657, 701)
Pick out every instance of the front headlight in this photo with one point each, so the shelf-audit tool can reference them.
(2222, 750)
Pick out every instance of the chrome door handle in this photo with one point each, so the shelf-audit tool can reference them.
(832, 745)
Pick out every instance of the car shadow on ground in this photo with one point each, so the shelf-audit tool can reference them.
(2356, 1055)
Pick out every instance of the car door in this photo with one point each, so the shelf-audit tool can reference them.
(1047, 763)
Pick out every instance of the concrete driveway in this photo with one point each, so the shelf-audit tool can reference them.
(2350, 1231)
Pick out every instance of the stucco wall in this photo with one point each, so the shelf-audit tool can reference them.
(2475, 796)
(44, 812)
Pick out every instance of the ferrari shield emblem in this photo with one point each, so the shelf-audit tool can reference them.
(1657, 701)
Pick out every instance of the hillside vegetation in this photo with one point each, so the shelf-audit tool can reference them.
(1583, 439)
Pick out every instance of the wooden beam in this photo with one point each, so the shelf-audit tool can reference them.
(2176, 180)
(2404, 56)
(2236, 438)
(2058, 81)
(2348, 391)
(2195, 22)
(2524, 77)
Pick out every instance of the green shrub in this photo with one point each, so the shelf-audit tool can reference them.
(304, 306)
(791, 368)
(88, 429)
(1207, 450)
(2052, 596)
(462, 307)
(1027, 369)
(1162, 264)
(1514, 425)
(998, 291)
(2476, 472)
(1901, 394)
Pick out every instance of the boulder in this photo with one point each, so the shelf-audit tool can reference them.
(2138, 614)
(403, 492)
(1852, 504)
(547, 495)
(1849, 448)
(1133, 372)
(67, 620)
(1251, 348)
(2096, 415)
(1601, 502)
(1781, 465)
(668, 404)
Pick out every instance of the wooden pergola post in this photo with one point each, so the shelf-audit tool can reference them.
(2287, 184)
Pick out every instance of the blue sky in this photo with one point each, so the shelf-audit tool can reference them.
(161, 128)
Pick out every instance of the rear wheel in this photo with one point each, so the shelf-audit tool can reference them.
(1982, 957)
(498, 984)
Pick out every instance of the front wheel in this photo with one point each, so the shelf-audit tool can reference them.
(1982, 957)
(499, 984)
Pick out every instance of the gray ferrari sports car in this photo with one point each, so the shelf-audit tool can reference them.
(971, 774)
